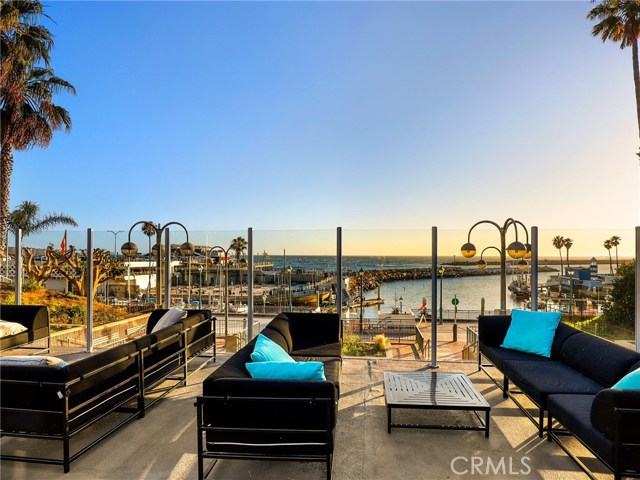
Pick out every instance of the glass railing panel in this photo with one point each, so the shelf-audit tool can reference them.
(592, 281)
(295, 270)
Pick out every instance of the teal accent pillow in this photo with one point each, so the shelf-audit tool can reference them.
(266, 350)
(532, 332)
(631, 381)
(287, 370)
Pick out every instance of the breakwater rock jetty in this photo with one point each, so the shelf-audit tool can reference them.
(372, 279)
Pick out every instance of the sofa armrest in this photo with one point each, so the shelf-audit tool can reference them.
(492, 329)
(617, 411)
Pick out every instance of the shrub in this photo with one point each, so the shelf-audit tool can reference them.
(352, 345)
(31, 286)
(381, 343)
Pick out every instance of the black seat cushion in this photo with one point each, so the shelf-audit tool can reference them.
(499, 355)
(327, 350)
(574, 413)
(538, 380)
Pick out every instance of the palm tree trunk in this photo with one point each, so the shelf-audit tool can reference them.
(568, 266)
(6, 168)
(610, 263)
(561, 262)
(617, 265)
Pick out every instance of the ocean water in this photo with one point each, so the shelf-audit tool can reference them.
(468, 290)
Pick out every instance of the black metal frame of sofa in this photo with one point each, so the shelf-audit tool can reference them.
(137, 397)
(618, 473)
(211, 401)
(67, 414)
(181, 364)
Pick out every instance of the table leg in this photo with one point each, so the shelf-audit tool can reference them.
(487, 416)
(388, 419)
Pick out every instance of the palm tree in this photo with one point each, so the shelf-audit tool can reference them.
(619, 21)
(28, 115)
(568, 243)
(607, 245)
(615, 241)
(149, 230)
(558, 242)
(238, 245)
(26, 217)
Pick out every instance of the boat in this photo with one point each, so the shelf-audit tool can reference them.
(310, 299)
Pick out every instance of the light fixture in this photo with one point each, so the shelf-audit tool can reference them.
(516, 249)
(468, 250)
(129, 249)
(187, 249)
(529, 251)
(482, 264)
(522, 264)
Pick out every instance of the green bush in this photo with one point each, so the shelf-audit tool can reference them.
(31, 286)
(352, 346)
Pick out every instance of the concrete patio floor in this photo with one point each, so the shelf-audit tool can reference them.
(163, 444)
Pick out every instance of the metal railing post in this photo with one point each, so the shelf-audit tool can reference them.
(250, 274)
(534, 268)
(637, 289)
(89, 290)
(167, 268)
(434, 297)
(339, 272)
(18, 272)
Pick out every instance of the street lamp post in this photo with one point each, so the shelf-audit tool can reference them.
(515, 249)
(115, 241)
(400, 300)
(570, 271)
(441, 272)
(129, 249)
(226, 285)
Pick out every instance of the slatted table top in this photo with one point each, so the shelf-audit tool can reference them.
(432, 389)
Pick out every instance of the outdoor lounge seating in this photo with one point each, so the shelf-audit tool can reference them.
(45, 398)
(35, 318)
(574, 385)
(240, 417)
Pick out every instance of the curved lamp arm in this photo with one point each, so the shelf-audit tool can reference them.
(478, 223)
(487, 248)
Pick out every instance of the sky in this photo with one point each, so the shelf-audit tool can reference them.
(377, 116)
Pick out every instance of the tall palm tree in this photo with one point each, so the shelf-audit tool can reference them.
(238, 245)
(615, 241)
(608, 246)
(558, 242)
(149, 230)
(26, 217)
(619, 21)
(28, 86)
(568, 243)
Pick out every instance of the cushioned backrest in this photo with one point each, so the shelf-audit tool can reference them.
(31, 316)
(313, 329)
(155, 316)
(493, 328)
(597, 358)
(277, 337)
(563, 332)
(634, 367)
(281, 324)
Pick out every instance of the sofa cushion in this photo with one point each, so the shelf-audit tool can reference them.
(532, 332)
(277, 337)
(11, 328)
(574, 413)
(540, 379)
(600, 359)
(603, 413)
(498, 355)
(32, 360)
(287, 370)
(328, 350)
(281, 325)
(266, 350)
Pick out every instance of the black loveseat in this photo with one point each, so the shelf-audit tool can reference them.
(58, 401)
(240, 417)
(35, 318)
(574, 386)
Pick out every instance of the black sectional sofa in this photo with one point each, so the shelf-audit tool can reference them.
(58, 401)
(574, 386)
(35, 318)
(240, 417)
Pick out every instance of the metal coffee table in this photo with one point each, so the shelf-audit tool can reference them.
(434, 391)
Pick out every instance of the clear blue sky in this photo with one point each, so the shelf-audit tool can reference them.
(315, 115)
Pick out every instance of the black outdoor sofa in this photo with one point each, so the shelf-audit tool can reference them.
(57, 402)
(240, 417)
(35, 318)
(574, 387)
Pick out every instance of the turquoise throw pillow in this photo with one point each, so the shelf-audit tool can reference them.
(631, 381)
(532, 332)
(287, 370)
(266, 350)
